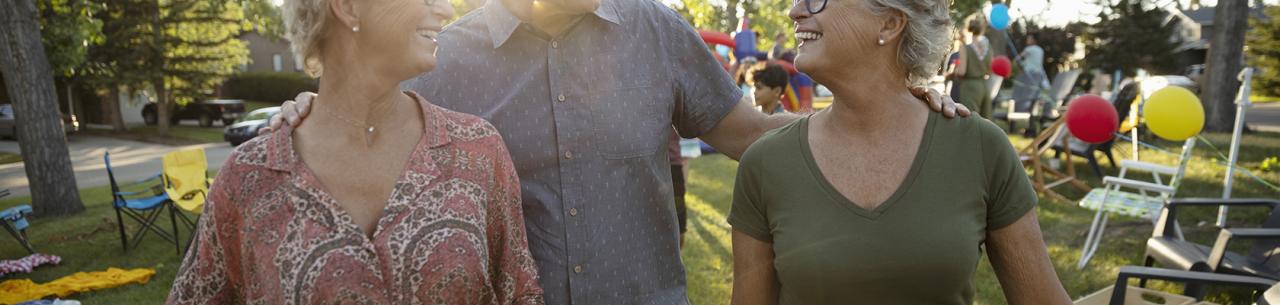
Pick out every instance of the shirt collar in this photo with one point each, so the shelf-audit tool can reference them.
(502, 24)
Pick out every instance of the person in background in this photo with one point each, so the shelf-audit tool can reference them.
(974, 68)
(1032, 82)
(779, 46)
(768, 82)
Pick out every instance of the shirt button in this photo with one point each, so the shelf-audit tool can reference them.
(577, 269)
(560, 98)
(573, 212)
(568, 155)
(555, 44)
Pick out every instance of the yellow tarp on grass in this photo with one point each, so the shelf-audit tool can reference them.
(22, 290)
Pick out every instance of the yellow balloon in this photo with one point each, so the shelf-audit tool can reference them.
(1174, 113)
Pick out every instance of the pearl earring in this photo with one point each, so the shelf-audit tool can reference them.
(357, 30)
(881, 41)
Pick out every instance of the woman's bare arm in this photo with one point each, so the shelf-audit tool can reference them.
(1018, 255)
(755, 282)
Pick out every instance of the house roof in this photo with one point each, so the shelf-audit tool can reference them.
(1204, 15)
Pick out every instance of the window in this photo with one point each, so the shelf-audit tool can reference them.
(277, 62)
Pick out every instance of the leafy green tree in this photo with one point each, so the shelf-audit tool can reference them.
(196, 48)
(1130, 36)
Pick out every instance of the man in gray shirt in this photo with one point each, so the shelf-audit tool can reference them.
(585, 92)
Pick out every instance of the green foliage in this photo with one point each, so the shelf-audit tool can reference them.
(262, 16)
(1263, 45)
(703, 14)
(67, 28)
(268, 86)
(1132, 36)
(200, 45)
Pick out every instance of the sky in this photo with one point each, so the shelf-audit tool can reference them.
(1064, 12)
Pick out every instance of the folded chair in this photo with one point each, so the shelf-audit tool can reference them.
(14, 220)
(144, 207)
(1126, 196)
(1266, 291)
(186, 181)
(1173, 251)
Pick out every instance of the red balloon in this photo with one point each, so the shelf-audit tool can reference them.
(1092, 119)
(1001, 66)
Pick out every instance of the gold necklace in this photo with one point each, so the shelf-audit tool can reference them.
(368, 128)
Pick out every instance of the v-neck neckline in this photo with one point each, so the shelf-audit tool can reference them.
(922, 152)
(344, 221)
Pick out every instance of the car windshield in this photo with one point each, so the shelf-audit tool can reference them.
(261, 114)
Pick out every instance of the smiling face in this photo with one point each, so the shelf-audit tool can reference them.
(398, 36)
(827, 38)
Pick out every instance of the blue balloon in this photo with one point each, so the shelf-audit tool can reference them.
(999, 16)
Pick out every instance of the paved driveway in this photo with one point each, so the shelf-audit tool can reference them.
(130, 161)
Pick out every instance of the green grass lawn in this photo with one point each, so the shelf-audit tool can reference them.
(90, 241)
(1264, 99)
(6, 158)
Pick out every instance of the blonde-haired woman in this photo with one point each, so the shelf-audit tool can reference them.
(383, 198)
(884, 202)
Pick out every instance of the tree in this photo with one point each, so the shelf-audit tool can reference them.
(1264, 52)
(196, 49)
(29, 80)
(1226, 53)
(67, 29)
(116, 63)
(1132, 36)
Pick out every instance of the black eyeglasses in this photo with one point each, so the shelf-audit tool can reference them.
(813, 6)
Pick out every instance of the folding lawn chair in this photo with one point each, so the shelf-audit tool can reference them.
(143, 208)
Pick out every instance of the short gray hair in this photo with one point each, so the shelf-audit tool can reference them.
(305, 22)
(926, 38)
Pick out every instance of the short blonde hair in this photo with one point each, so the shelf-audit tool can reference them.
(926, 38)
(305, 22)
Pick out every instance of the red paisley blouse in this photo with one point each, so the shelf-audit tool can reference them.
(451, 233)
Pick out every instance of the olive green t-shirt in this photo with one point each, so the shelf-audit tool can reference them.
(920, 246)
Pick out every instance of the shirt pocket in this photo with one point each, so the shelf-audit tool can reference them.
(631, 122)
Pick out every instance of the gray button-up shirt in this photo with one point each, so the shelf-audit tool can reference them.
(586, 116)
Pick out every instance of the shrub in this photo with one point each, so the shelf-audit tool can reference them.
(268, 86)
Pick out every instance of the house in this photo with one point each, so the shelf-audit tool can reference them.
(1195, 31)
(269, 54)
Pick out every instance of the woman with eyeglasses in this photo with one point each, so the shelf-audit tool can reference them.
(887, 203)
(382, 198)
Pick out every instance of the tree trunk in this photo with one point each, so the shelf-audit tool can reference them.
(1226, 52)
(29, 81)
(158, 61)
(162, 106)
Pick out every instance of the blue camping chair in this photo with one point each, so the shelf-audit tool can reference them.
(143, 207)
(14, 220)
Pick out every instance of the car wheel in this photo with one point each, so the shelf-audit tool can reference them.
(206, 120)
(236, 143)
(150, 118)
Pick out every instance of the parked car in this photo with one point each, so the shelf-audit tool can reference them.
(205, 111)
(247, 127)
(9, 125)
